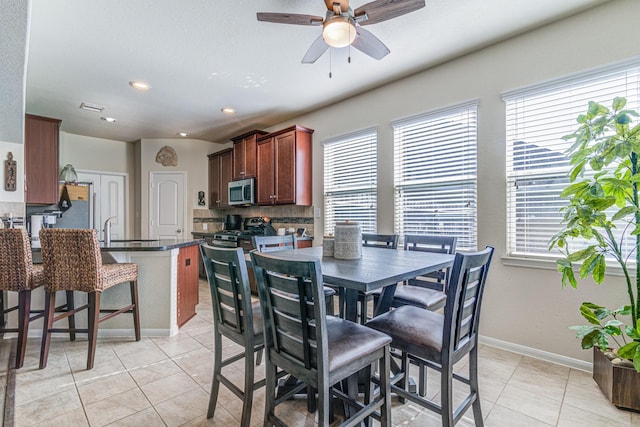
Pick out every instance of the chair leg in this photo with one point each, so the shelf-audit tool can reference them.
(217, 370)
(404, 381)
(24, 310)
(324, 400)
(72, 318)
(93, 320)
(341, 302)
(49, 311)
(368, 390)
(136, 313)
(385, 388)
(446, 395)
(473, 385)
(270, 392)
(2, 318)
(248, 385)
(422, 379)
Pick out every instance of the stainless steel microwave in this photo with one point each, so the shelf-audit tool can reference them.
(242, 192)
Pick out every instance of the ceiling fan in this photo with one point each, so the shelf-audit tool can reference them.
(342, 26)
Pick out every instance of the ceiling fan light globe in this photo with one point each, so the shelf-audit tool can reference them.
(338, 31)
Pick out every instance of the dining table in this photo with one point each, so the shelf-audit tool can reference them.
(377, 268)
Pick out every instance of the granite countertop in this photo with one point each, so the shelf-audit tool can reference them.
(134, 245)
(203, 234)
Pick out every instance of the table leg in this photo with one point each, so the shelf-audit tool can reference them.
(385, 300)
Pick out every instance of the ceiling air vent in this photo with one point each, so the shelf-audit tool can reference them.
(91, 107)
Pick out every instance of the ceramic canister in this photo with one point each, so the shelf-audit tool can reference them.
(328, 245)
(348, 241)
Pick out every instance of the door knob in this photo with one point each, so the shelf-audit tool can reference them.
(179, 230)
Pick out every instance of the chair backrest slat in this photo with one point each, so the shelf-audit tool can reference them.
(274, 243)
(464, 298)
(435, 244)
(387, 241)
(229, 285)
(292, 299)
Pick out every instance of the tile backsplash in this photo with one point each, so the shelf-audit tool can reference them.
(290, 216)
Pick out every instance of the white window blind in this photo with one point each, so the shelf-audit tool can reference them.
(537, 167)
(350, 180)
(436, 174)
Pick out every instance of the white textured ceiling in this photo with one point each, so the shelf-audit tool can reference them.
(201, 55)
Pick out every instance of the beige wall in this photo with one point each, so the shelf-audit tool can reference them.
(192, 159)
(523, 306)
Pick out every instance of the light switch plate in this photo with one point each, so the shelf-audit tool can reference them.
(205, 226)
(317, 213)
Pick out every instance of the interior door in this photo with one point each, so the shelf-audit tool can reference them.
(167, 205)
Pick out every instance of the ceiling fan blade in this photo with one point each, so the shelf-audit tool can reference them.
(367, 43)
(382, 10)
(317, 48)
(290, 18)
(344, 4)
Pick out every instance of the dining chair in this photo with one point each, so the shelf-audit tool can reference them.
(18, 274)
(382, 241)
(72, 262)
(319, 350)
(265, 244)
(235, 317)
(440, 340)
(274, 243)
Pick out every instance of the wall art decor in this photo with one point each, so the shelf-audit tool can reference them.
(167, 156)
(10, 173)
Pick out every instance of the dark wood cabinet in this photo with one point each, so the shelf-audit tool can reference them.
(244, 154)
(220, 173)
(187, 297)
(41, 161)
(283, 174)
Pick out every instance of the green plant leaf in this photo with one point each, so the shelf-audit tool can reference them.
(628, 351)
(589, 315)
(619, 103)
(591, 339)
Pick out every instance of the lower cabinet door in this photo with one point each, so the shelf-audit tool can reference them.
(187, 283)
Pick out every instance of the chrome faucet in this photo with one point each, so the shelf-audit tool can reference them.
(107, 231)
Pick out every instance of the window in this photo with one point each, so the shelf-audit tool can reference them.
(350, 180)
(537, 168)
(436, 174)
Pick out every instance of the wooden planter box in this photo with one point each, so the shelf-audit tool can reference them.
(620, 384)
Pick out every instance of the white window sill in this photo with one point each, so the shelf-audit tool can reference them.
(550, 264)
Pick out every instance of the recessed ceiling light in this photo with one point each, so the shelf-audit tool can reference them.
(183, 134)
(140, 85)
(228, 110)
(108, 119)
(91, 107)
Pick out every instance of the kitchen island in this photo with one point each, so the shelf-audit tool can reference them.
(167, 286)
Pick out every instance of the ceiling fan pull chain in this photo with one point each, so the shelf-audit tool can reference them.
(330, 62)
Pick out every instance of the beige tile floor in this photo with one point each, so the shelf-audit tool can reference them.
(165, 381)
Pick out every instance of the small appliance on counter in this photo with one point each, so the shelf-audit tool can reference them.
(36, 223)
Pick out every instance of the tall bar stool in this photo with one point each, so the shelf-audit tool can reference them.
(18, 274)
(72, 262)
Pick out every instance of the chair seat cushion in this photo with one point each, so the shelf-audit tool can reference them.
(112, 274)
(349, 341)
(414, 330)
(328, 292)
(428, 299)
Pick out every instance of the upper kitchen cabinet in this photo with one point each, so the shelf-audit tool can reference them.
(220, 172)
(244, 154)
(41, 143)
(283, 174)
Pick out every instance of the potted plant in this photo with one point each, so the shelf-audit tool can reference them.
(604, 212)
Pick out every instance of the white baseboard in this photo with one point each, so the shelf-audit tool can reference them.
(538, 354)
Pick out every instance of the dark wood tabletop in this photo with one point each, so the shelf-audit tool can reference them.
(378, 268)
